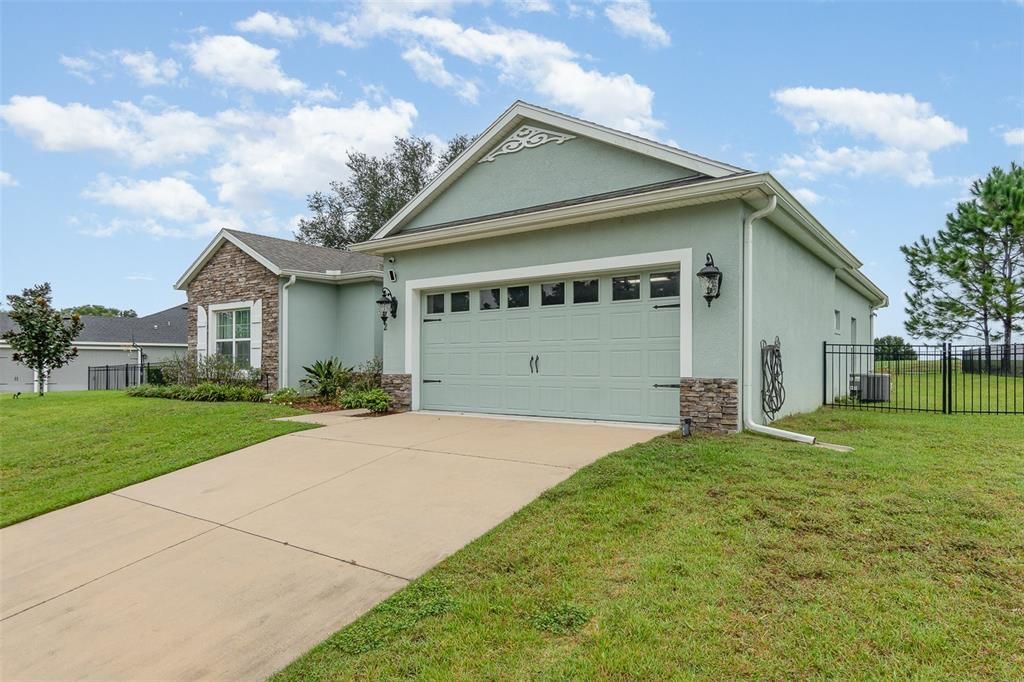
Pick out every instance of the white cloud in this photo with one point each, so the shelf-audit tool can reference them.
(528, 6)
(235, 62)
(270, 24)
(634, 19)
(907, 130)
(430, 68)
(7, 180)
(167, 199)
(147, 69)
(80, 67)
(807, 196)
(139, 277)
(125, 129)
(1014, 136)
(302, 150)
(521, 58)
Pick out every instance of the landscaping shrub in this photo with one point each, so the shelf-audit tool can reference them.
(284, 396)
(327, 378)
(374, 400)
(188, 370)
(367, 376)
(205, 392)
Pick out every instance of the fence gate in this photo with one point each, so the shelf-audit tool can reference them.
(945, 378)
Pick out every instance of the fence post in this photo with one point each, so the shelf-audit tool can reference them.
(945, 378)
(824, 372)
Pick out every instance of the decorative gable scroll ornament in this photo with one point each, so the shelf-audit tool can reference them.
(526, 137)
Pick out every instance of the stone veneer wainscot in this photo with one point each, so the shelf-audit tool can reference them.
(232, 275)
(399, 387)
(711, 404)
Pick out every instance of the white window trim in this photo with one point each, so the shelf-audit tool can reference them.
(683, 258)
(255, 344)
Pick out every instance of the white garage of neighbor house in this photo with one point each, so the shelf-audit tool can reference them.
(103, 341)
(560, 268)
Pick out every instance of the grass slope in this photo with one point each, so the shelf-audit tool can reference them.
(68, 447)
(733, 557)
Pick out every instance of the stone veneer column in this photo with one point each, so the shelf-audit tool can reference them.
(711, 404)
(399, 387)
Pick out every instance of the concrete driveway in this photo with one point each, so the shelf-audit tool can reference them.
(231, 568)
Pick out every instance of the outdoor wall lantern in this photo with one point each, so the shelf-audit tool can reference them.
(387, 304)
(711, 279)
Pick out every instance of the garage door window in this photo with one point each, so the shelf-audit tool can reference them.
(626, 288)
(552, 294)
(435, 304)
(519, 297)
(460, 301)
(233, 336)
(584, 291)
(490, 299)
(664, 284)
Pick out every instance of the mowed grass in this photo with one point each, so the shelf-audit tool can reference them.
(729, 557)
(68, 447)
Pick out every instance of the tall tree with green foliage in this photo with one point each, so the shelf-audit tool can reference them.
(968, 280)
(378, 187)
(43, 337)
(100, 310)
(893, 347)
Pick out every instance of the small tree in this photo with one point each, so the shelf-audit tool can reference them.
(376, 190)
(893, 348)
(42, 339)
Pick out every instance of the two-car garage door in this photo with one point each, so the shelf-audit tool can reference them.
(583, 346)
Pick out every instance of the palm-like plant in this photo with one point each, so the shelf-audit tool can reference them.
(326, 378)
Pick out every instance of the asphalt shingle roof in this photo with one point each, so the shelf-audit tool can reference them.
(166, 326)
(291, 255)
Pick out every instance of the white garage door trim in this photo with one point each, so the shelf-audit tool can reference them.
(680, 257)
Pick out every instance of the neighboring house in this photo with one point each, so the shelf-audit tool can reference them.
(103, 341)
(551, 270)
(278, 305)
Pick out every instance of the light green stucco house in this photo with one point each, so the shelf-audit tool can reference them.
(551, 270)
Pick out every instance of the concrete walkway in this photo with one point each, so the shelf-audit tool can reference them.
(231, 568)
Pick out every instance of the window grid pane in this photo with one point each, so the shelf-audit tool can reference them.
(224, 325)
(460, 301)
(552, 294)
(224, 348)
(490, 299)
(664, 284)
(241, 324)
(626, 288)
(242, 353)
(435, 304)
(519, 297)
(585, 291)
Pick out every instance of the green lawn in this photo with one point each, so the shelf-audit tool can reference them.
(68, 447)
(741, 556)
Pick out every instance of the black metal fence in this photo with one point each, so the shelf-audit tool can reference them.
(120, 377)
(945, 378)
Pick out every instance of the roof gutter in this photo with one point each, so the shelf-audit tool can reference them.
(748, 331)
(331, 276)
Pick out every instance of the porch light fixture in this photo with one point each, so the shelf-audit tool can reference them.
(387, 304)
(711, 279)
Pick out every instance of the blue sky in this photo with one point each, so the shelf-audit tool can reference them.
(132, 131)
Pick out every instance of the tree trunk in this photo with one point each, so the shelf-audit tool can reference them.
(1007, 364)
(41, 373)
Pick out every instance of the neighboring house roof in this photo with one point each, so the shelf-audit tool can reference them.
(285, 257)
(521, 111)
(167, 327)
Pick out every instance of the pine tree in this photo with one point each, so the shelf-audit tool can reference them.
(969, 279)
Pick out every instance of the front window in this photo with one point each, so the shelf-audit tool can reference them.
(664, 284)
(234, 336)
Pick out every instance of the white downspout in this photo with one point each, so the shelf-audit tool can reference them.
(283, 334)
(748, 331)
